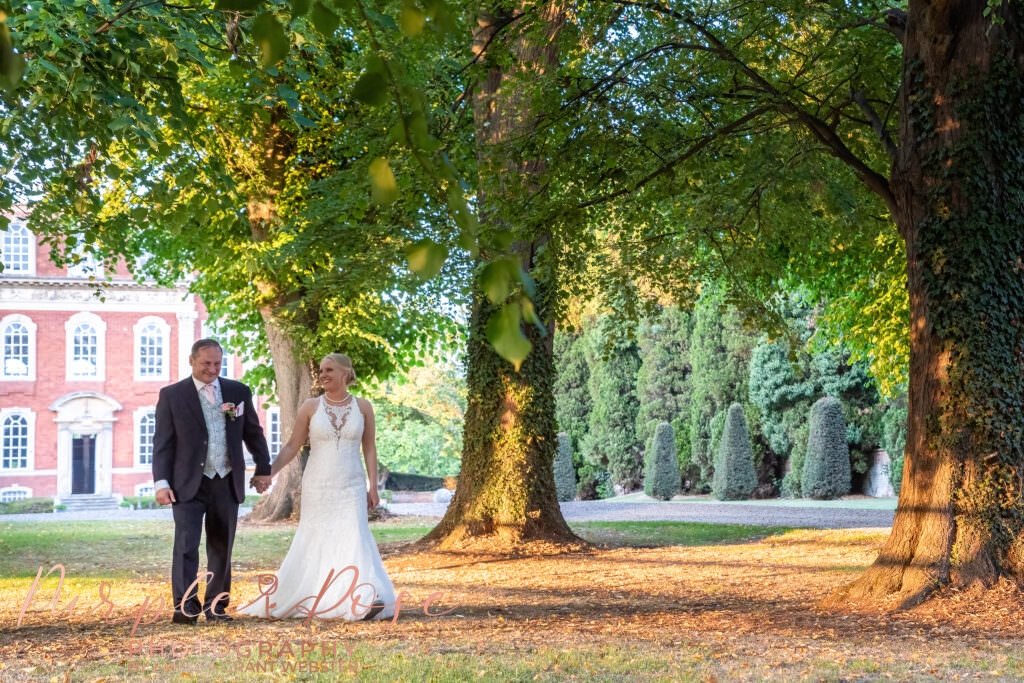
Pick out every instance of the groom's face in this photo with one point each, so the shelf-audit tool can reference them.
(206, 364)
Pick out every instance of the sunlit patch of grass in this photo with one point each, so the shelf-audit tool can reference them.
(671, 533)
(136, 549)
(401, 662)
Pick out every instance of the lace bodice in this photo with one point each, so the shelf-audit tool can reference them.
(336, 424)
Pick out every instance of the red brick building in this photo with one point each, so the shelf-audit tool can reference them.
(81, 366)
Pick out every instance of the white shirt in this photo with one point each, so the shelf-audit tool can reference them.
(199, 386)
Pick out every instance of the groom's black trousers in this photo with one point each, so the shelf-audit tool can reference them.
(216, 501)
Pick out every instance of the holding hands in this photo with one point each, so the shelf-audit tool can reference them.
(261, 482)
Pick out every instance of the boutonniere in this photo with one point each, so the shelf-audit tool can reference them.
(231, 410)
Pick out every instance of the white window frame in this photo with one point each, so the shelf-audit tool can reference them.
(19, 226)
(140, 414)
(14, 488)
(30, 419)
(274, 414)
(139, 488)
(165, 364)
(227, 369)
(100, 327)
(31, 327)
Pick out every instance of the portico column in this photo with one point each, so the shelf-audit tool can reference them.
(186, 337)
(63, 461)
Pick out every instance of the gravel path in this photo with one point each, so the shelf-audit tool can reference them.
(587, 511)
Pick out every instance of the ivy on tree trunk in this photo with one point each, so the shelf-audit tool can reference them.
(958, 186)
(506, 492)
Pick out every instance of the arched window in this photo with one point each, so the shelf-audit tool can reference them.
(9, 494)
(15, 440)
(16, 247)
(152, 349)
(85, 347)
(145, 427)
(18, 355)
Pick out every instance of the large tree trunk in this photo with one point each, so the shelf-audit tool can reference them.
(506, 493)
(958, 181)
(293, 373)
(293, 379)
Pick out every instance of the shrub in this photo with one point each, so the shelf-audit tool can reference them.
(28, 505)
(662, 385)
(827, 462)
(565, 475)
(720, 348)
(735, 477)
(611, 443)
(661, 467)
(140, 502)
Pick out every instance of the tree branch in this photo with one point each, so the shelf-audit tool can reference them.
(697, 147)
(876, 123)
(875, 181)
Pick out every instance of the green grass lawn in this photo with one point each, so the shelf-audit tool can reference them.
(144, 548)
(852, 503)
(642, 534)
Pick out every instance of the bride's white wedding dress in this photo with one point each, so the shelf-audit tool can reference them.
(333, 530)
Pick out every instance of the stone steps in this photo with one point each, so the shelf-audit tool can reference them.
(90, 502)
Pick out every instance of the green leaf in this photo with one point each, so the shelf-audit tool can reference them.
(385, 189)
(417, 124)
(119, 123)
(530, 315)
(497, 277)
(426, 258)
(441, 17)
(300, 7)
(506, 336)
(411, 20)
(325, 20)
(271, 38)
(237, 5)
(383, 20)
(301, 120)
(371, 88)
(288, 95)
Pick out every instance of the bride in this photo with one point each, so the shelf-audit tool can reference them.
(333, 533)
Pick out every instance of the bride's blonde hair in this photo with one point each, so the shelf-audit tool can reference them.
(342, 361)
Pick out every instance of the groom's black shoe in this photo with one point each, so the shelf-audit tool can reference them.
(180, 618)
(374, 611)
(216, 618)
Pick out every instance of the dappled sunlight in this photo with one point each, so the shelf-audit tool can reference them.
(744, 597)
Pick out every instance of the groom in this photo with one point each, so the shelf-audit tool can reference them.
(198, 468)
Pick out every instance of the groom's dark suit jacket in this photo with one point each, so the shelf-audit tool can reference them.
(180, 441)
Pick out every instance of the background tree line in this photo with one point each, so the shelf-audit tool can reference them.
(619, 379)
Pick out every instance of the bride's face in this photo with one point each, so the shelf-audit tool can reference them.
(332, 375)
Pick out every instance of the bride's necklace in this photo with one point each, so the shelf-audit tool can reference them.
(341, 402)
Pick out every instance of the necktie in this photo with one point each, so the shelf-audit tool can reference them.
(210, 396)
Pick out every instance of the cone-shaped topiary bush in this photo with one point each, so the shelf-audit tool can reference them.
(661, 468)
(565, 476)
(735, 478)
(827, 465)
